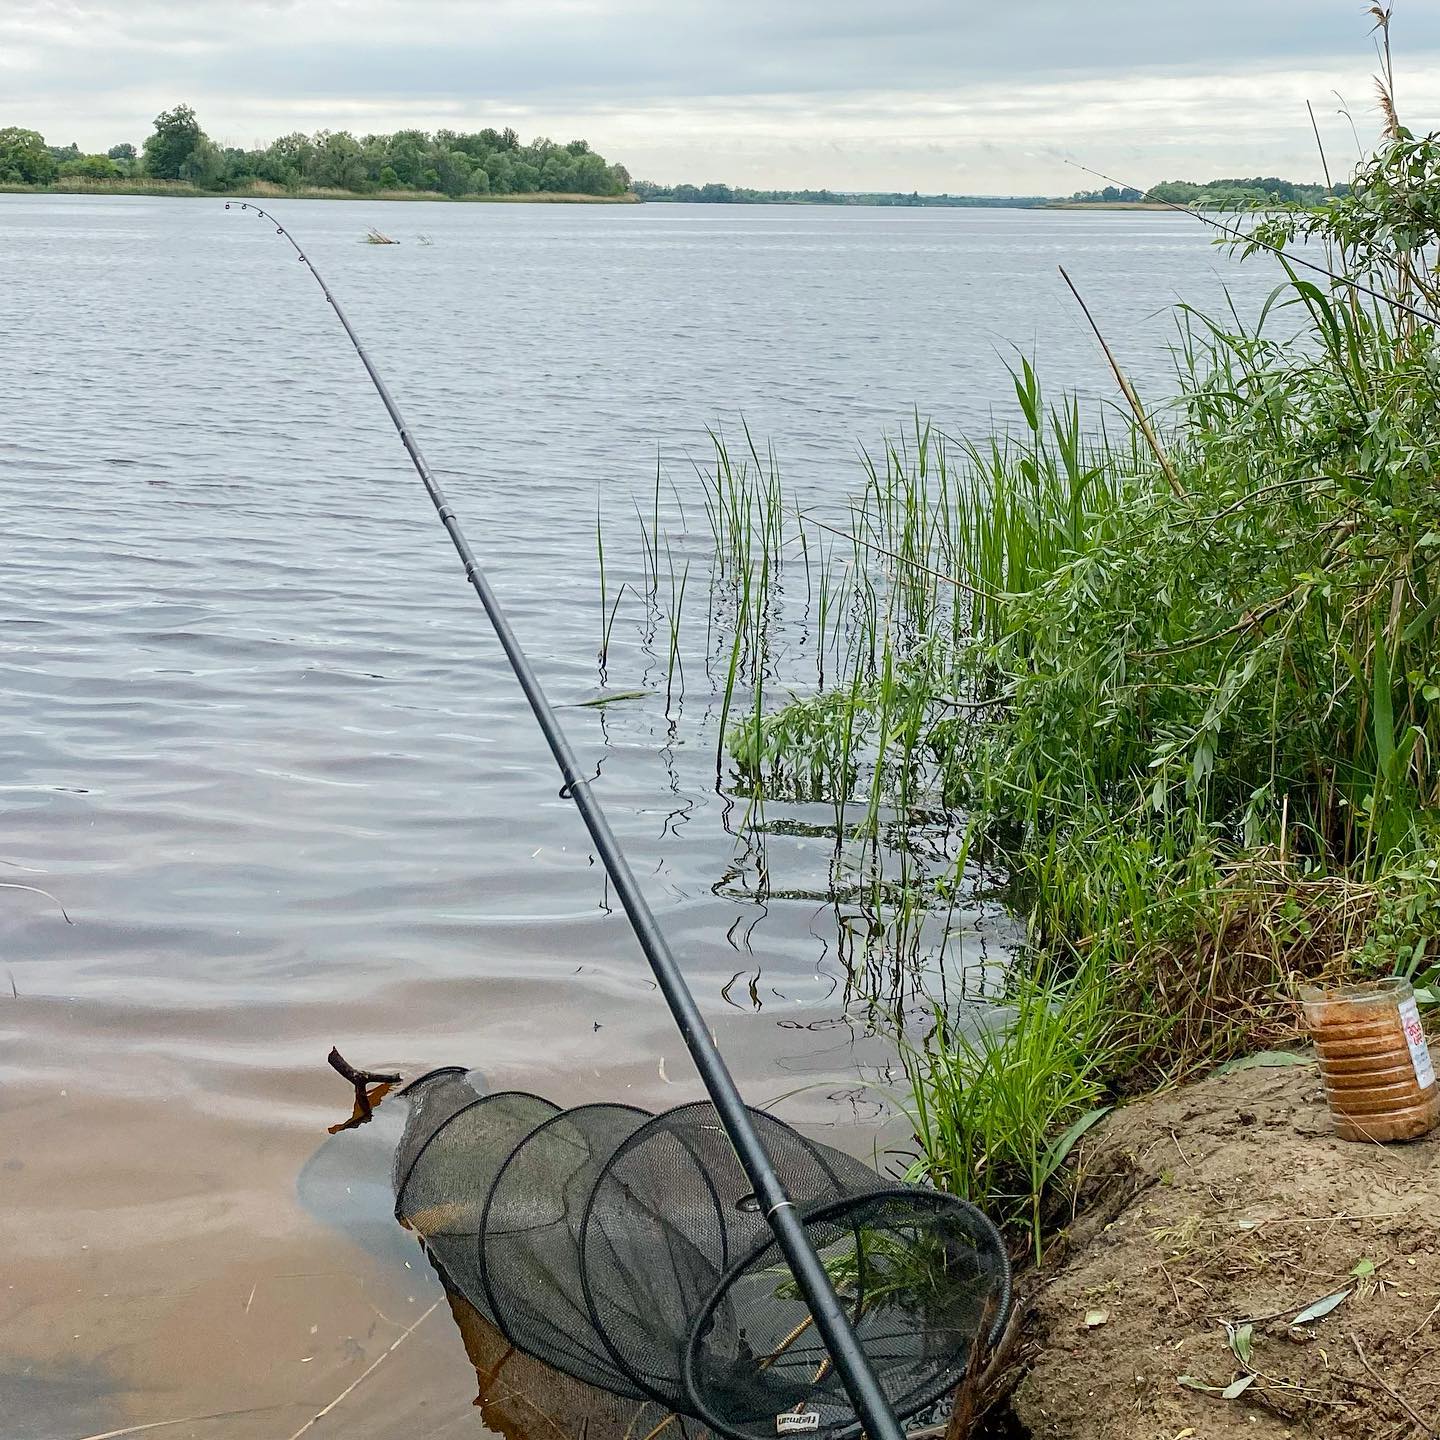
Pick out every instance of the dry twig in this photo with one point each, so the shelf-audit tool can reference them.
(183, 1420)
(1426, 1428)
(365, 1100)
(369, 1369)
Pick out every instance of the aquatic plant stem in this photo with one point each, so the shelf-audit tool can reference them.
(368, 1371)
(859, 1380)
(894, 555)
(1128, 391)
(1320, 146)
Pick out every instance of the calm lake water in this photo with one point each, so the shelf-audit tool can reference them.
(260, 744)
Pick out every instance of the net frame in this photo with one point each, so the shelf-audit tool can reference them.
(829, 1213)
(784, 1144)
(518, 1314)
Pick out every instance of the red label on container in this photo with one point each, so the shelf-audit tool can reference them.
(1415, 1038)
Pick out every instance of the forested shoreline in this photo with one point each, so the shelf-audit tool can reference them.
(1259, 192)
(179, 156)
(715, 193)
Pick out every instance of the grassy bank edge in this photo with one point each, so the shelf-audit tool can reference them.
(1178, 674)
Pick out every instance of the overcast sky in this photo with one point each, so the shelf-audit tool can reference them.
(933, 95)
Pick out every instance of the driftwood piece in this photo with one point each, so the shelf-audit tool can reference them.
(365, 1099)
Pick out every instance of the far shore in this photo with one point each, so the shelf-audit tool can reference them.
(263, 190)
(178, 189)
(1106, 205)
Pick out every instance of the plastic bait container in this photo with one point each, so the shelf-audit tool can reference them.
(1379, 1079)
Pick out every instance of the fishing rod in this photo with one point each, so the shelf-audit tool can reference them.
(863, 1388)
(1279, 251)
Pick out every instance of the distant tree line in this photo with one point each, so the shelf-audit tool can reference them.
(717, 194)
(1110, 195)
(495, 162)
(449, 162)
(1216, 194)
(1237, 194)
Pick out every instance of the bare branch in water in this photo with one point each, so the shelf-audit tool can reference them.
(395, 1345)
(365, 1100)
(183, 1420)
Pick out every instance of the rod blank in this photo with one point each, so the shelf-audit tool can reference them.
(860, 1383)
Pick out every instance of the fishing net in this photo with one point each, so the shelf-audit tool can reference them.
(627, 1250)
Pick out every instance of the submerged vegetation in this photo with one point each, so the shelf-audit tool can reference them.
(1175, 675)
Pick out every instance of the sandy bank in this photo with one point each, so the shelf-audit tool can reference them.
(1225, 1202)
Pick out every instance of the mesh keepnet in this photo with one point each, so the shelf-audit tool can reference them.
(627, 1250)
(923, 1277)
(674, 1189)
(455, 1144)
(530, 1239)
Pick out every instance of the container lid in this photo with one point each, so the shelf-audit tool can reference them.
(1392, 988)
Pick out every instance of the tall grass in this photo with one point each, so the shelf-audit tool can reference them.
(1178, 674)
(998, 1108)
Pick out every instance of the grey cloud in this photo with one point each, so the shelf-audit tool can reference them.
(626, 50)
(687, 88)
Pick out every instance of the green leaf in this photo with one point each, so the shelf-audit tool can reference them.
(1059, 1148)
(1383, 711)
(1026, 392)
(1233, 1391)
(1320, 1308)
(1242, 1342)
(612, 699)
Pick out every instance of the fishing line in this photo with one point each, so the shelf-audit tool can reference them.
(1279, 251)
(830, 1319)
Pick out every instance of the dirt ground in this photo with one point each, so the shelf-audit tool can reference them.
(1228, 1202)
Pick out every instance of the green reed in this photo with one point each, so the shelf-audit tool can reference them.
(1180, 671)
(998, 1108)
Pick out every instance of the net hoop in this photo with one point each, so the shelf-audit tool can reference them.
(484, 1228)
(401, 1181)
(831, 1212)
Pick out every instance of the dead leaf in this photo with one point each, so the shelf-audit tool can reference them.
(1094, 1318)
